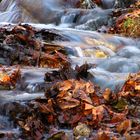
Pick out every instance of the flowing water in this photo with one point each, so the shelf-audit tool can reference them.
(115, 56)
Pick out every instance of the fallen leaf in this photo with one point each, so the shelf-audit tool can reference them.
(88, 106)
(106, 94)
(124, 126)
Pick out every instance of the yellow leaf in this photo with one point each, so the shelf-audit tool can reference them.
(137, 87)
(100, 54)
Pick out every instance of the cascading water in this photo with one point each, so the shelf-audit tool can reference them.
(115, 56)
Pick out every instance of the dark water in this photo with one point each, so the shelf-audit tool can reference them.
(115, 56)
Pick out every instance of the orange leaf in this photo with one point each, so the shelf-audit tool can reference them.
(88, 106)
(103, 136)
(6, 78)
(106, 94)
(98, 113)
(124, 126)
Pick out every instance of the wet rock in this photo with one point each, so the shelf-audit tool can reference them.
(88, 4)
(55, 12)
(94, 24)
(94, 20)
(108, 3)
(81, 130)
(124, 3)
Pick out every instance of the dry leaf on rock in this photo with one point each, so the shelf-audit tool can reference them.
(9, 77)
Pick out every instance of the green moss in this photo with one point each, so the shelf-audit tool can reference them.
(129, 23)
(131, 27)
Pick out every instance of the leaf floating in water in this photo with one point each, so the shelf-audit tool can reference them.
(100, 54)
(95, 53)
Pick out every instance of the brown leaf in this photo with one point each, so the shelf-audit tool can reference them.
(103, 136)
(65, 86)
(75, 118)
(68, 104)
(95, 99)
(98, 113)
(88, 106)
(46, 107)
(117, 117)
(90, 87)
(124, 126)
(131, 86)
(106, 94)
(84, 97)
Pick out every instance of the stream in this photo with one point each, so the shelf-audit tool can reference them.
(114, 56)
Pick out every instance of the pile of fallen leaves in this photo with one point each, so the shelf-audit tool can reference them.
(129, 24)
(9, 76)
(28, 46)
(127, 21)
(78, 105)
(72, 106)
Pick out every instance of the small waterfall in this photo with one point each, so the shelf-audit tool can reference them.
(52, 12)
